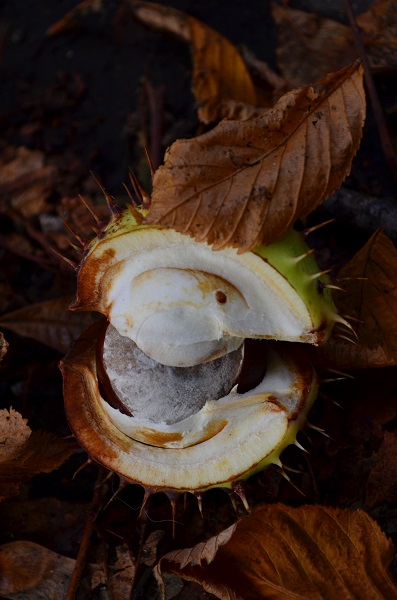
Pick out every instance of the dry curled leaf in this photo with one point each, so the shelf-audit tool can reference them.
(246, 182)
(24, 453)
(219, 72)
(201, 555)
(48, 322)
(279, 553)
(370, 280)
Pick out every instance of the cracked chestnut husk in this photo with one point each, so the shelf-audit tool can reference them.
(199, 376)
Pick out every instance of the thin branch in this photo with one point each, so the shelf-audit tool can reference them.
(155, 99)
(143, 525)
(96, 505)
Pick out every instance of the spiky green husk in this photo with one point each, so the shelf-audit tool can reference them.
(160, 457)
(292, 258)
(296, 273)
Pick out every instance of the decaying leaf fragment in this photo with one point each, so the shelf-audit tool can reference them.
(69, 20)
(3, 346)
(14, 433)
(370, 279)
(26, 177)
(279, 553)
(29, 571)
(381, 487)
(246, 182)
(219, 72)
(379, 30)
(49, 322)
(329, 44)
(117, 578)
(24, 453)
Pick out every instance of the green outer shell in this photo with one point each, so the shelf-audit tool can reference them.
(280, 255)
(294, 427)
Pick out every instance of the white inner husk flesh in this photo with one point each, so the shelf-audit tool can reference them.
(227, 437)
(158, 295)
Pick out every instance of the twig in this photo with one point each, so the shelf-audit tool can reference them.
(143, 519)
(96, 506)
(387, 147)
(155, 98)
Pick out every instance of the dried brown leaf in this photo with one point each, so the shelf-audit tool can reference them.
(381, 486)
(246, 182)
(301, 34)
(19, 244)
(48, 322)
(121, 575)
(22, 170)
(3, 346)
(269, 84)
(379, 30)
(330, 44)
(219, 72)
(149, 548)
(70, 19)
(38, 518)
(18, 163)
(371, 298)
(24, 454)
(279, 553)
(118, 577)
(45, 452)
(30, 571)
(32, 200)
(239, 111)
(14, 432)
(201, 555)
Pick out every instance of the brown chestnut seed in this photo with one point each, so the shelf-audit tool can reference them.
(163, 394)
